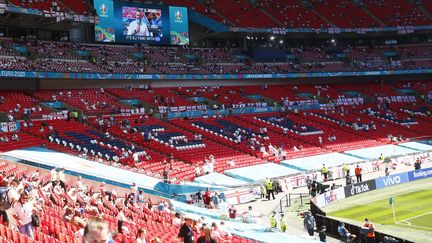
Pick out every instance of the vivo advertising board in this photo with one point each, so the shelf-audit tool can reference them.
(420, 174)
(391, 180)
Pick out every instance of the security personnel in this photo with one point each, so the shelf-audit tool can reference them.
(269, 187)
(273, 221)
(345, 169)
(283, 223)
(324, 171)
(381, 157)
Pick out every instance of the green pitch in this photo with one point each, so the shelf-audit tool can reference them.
(413, 210)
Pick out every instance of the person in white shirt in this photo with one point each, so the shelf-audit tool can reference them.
(121, 219)
(197, 171)
(138, 27)
(61, 178)
(211, 166)
(205, 169)
(250, 218)
(141, 236)
(22, 212)
(134, 191)
(176, 221)
(53, 175)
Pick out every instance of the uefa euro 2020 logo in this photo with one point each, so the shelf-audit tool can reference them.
(178, 17)
(103, 9)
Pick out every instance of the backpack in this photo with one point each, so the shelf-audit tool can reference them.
(4, 200)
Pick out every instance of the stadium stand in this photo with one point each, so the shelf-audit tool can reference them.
(213, 107)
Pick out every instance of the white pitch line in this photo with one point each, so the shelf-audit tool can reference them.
(407, 219)
(415, 226)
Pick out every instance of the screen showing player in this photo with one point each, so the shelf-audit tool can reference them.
(142, 24)
(124, 22)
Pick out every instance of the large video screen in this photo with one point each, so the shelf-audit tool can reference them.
(122, 22)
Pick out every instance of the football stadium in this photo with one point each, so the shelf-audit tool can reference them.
(203, 121)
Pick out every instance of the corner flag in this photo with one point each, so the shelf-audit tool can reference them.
(391, 201)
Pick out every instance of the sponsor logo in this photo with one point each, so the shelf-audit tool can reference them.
(359, 188)
(12, 74)
(258, 76)
(103, 9)
(144, 76)
(391, 180)
(420, 174)
(178, 17)
(330, 197)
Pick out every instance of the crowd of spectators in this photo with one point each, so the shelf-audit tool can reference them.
(64, 57)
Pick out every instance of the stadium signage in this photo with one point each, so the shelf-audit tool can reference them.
(391, 180)
(420, 174)
(133, 76)
(330, 197)
(17, 74)
(360, 188)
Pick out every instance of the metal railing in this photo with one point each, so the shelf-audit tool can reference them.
(292, 196)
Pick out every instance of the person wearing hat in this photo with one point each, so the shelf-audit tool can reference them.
(186, 234)
(273, 221)
(283, 223)
(322, 234)
(370, 236)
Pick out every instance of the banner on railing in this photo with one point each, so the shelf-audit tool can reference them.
(398, 99)
(234, 197)
(10, 126)
(99, 76)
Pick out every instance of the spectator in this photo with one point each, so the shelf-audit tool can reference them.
(96, 230)
(176, 221)
(78, 220)
(141, 236)
(345, 234)
(61, 178)
(250, 216)
(232, 212)
(121, 219)
(186, 233)
(155, 240)
(11, 195)
(206, 236)
(22, 212)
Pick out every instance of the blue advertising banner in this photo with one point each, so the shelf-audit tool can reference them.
(391, 180)
(56, 75)
(420, 174)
